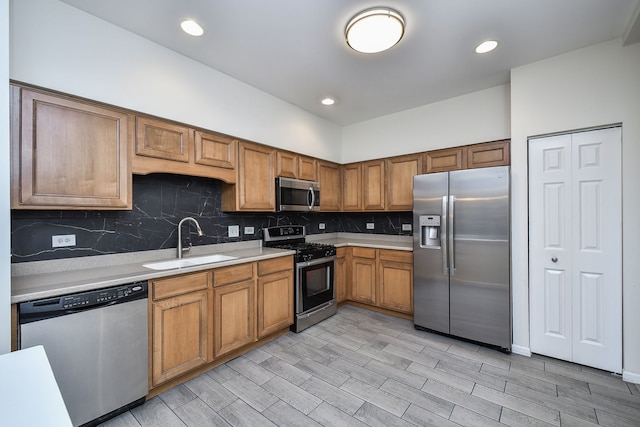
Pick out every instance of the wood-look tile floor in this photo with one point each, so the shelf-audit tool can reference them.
(362, 368)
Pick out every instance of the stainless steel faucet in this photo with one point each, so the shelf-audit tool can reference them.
(200, 233)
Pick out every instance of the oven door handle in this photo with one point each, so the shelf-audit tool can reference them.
(315, 262)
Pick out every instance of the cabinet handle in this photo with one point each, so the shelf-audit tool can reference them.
(554, 259)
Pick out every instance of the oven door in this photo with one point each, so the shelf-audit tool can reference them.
(314, 285)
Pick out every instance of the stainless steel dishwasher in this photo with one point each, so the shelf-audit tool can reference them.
(97, 345)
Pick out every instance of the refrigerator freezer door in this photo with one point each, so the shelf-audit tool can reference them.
(430, 271)
(480, 294)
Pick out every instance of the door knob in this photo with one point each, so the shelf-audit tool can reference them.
(554, 259)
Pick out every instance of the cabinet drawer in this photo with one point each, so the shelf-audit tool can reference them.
(232, 274)
(178, 285)
(396, 256)
(364, 252)
(275, 265)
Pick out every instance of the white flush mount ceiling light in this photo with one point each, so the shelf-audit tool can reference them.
(328, 101)
(486, 46)
(374, 30)
(191, 27)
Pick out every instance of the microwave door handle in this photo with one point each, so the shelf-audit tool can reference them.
(313, 197)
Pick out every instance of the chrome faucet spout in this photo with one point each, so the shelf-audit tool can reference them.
(181, 250)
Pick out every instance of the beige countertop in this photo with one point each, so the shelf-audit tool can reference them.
(46, 279)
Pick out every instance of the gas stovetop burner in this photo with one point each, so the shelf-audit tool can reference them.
(292, 237)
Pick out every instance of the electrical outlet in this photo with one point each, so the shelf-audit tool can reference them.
(370, 226)
(321, 226)
(248, 230)
(406, 227)
(234, 231)
(63, 240)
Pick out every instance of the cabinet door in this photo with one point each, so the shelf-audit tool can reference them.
(363, 283)
(488, 154)
(179, 337)
(329, 178)
(400, 173)
(162, 139)
(342, 275)
(307, 168)
(373, 189)
(395, 286)
(286, 164)
(68, 154)
(444, 160)
(213, 149)
(351, 187)
(234, 319)
(256, 178)
(275, 302)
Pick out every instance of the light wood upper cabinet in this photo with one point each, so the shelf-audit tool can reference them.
(214, 149)
(330, 186)
(488, 154)
(275, 295)
(307, 168)
(286, 164)
(168, 147)
(373, 185)
(68, 153)
(255, 186)
(444, 160)
(351, 187)
(180, 330)
(400, 173)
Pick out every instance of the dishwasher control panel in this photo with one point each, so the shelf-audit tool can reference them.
(52, 307)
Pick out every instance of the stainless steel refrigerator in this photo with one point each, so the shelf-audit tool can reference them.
(461, 254)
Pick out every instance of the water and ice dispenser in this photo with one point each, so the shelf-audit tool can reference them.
(430, 231)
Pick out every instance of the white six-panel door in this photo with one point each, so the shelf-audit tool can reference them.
(575, 247)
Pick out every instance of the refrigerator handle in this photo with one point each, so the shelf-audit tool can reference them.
(443, 236)
(450, 236)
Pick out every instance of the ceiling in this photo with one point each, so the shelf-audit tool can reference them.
(295, 50)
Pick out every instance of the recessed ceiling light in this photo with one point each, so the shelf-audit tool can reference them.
(374, 30)
(328, 101)
(191, 27)
(486, 46)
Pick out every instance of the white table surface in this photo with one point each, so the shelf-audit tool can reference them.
(29, 394)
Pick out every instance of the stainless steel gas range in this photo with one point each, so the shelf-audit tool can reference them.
(315, 295)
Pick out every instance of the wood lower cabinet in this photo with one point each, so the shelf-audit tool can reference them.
(234, 318)
(400, 173)
(275, 295)
(363, 275)
(342, 274)
(330, 186)
(179, 325)
(395, 281)
(68, 153)
(255, 185)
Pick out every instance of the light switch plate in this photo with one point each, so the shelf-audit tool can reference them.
(248, 230)
(234, 231)
(63, 240)
(321, 226)
(406, 227)
(370, 226)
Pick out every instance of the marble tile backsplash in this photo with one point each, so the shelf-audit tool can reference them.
(160, 201)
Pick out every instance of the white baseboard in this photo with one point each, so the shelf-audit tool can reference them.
(522, 351)
(630, 377)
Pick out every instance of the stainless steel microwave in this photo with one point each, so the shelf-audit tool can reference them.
(297, 195)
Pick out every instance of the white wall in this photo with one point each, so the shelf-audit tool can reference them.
(5, 214)
(59, 47)
(468, 119)
(590, 87)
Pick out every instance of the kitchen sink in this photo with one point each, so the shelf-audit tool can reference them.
(188, 262)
